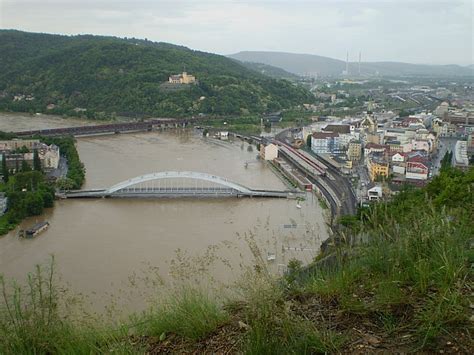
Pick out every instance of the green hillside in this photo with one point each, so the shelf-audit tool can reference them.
(107, 75)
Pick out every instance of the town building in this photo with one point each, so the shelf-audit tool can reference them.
(13, 144)
(325, 142)
(269, 151)
(398, 163)
(417, 170)
(183, 78)
(354, 150)
(49, 155)
(374, 148)
(461, 159)
(377, 166)
(374, 193)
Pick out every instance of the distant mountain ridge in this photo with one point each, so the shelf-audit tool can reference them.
(269, 70)
(102, 76)
(304, 64)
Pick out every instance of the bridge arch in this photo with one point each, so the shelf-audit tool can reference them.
(179, 174)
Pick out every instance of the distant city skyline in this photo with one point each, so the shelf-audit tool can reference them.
(411, 31)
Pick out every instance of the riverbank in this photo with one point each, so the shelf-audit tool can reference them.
(407, 289)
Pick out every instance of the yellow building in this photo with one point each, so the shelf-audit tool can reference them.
(377, 166)
(183, 78)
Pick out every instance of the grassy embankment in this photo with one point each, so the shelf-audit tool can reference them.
(405, 286)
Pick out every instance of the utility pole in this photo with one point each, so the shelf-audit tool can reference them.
(347, 63)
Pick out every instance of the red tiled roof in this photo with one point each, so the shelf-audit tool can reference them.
(417, 159)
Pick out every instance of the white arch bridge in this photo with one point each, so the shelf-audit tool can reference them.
(177, 184)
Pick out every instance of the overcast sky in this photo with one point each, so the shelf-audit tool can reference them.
(416, 31)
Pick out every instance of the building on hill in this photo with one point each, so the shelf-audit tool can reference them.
(183, 78)
(273, 117)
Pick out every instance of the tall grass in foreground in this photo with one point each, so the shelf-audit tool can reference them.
(421, 265)
(272, 325)
(189, 312)
(31, 321)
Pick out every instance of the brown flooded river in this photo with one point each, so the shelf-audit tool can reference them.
(99, 243)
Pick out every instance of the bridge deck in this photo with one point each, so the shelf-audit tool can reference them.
(177, 192)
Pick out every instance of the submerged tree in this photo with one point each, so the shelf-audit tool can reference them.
(36, 161)
(5, 172)
(25, 166)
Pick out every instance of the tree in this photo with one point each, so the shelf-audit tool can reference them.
(65, 184)
(36, 161)
(25, 166)
(33, 204)
(308, 141)
(5, 172)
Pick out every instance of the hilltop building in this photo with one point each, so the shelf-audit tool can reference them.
(183, 78)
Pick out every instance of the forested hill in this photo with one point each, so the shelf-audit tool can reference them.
(108, 75)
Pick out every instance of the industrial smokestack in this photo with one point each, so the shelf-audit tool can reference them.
(347, 63)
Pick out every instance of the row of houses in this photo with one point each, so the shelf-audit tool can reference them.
(403, 167)
(16, 151)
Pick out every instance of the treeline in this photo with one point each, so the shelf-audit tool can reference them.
(108, 76)
(28, 195)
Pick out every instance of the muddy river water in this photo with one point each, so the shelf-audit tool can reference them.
(99, 243)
